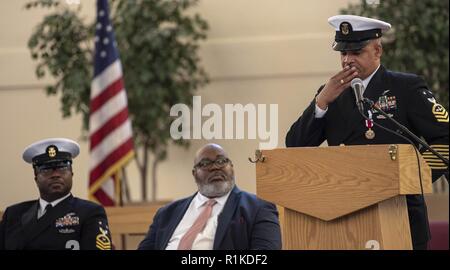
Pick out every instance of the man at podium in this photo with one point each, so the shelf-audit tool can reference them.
(333, 114)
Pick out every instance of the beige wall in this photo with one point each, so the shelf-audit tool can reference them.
(258, 51)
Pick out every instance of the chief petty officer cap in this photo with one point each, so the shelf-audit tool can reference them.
(51, 152)
(354, 32)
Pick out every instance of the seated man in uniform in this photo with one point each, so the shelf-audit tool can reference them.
(57, 220)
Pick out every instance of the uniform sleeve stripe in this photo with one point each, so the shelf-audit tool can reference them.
(435, 162)
(103, 247)
(440, 152)
(433, 156)
(438, 167)
(439, 164)
(440, 145)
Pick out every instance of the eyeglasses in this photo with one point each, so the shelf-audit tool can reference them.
(207, 163)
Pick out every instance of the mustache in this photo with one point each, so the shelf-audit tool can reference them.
(56, 179)
(218, 173)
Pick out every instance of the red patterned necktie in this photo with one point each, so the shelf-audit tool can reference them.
(188, 238)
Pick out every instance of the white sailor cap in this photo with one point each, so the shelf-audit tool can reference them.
(354, 32)
(51, 150)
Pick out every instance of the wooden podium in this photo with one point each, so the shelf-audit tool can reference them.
(342, 197)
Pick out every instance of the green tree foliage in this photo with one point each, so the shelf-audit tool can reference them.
(158, 47)
(418, 42)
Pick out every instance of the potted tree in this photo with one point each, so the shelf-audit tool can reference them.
(158, 45)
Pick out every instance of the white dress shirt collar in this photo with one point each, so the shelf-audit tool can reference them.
(366, 81)
(43, 203)
(200, 200)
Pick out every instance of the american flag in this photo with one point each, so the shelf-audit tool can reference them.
(111, 138)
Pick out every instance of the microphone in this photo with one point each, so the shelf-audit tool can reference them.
(358, 89)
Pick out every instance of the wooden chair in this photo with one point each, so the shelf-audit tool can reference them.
(131, 221)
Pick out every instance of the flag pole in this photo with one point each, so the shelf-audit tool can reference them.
(120, 177)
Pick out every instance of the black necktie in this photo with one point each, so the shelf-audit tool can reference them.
(48, 208)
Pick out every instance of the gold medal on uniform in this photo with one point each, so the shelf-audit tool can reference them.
(370, 134)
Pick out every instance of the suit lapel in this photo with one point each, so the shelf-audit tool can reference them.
(29, 221)
(175, 220)
(47, 220)
(226, 216)
(348, 113)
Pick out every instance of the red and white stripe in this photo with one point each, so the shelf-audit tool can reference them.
(110, 132)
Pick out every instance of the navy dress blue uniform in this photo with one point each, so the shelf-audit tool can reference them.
(408, 100)
(69, 222)
(246, 222)
(72, 224)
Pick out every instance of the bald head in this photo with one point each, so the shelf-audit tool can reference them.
(208, 150)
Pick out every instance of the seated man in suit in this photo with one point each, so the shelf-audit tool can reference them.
(219, 216)
(57, 220)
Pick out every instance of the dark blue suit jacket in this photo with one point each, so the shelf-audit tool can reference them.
(246, 222)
